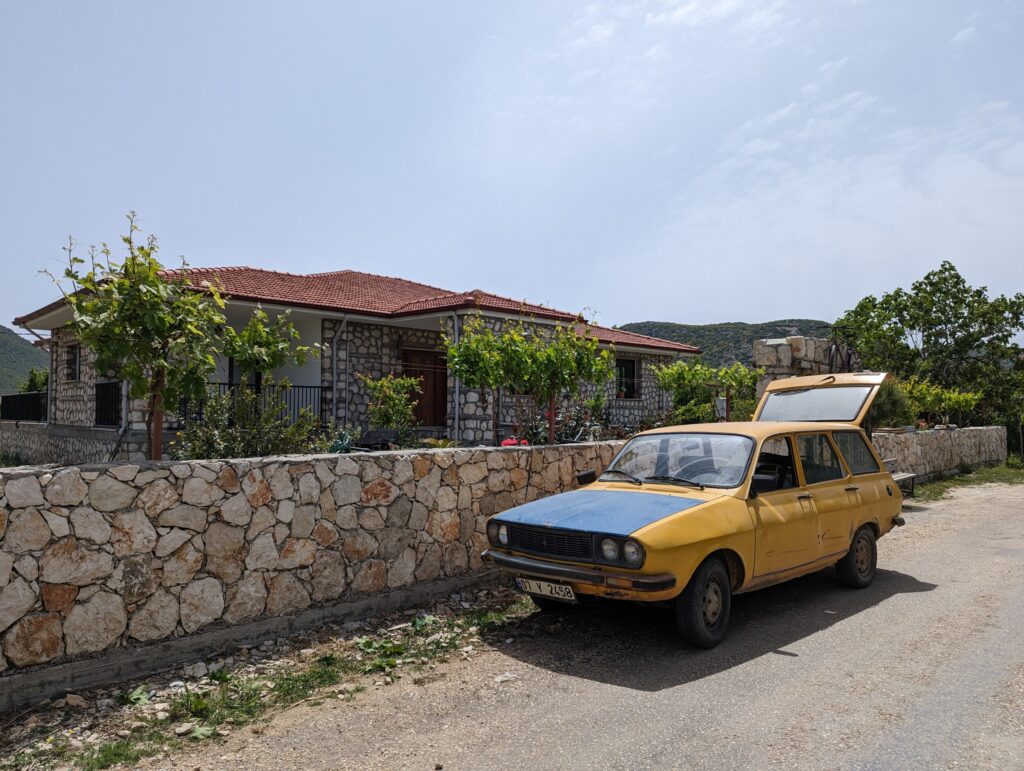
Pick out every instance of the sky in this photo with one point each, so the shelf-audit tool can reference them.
(693, 161)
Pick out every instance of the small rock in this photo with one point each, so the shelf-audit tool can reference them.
(184, 728)
(506, 677)
(162, 715)
(74, 700)
(177, 685)
(196, 670)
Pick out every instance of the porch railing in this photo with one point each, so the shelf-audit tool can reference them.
(29, 406)
(296, 399)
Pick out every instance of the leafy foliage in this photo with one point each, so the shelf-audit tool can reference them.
(391, 402)
(694, 385)
(153, 330)
(246, 423)
(17, 357)
(538, 365)
(729, 342)
(38, 379)
(946, 333)
(264, 345)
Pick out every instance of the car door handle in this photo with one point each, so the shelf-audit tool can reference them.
(852, 489)
(804, 496)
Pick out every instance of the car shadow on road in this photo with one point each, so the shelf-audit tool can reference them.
(637, 646)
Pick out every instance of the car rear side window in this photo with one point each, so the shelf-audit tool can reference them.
(856, 452)
(819, 460)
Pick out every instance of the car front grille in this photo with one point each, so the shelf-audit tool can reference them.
(552, 543)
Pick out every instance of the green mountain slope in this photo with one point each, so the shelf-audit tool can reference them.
(17, 357)
(730, 341)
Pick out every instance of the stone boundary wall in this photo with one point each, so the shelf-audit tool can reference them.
(99, 558)
(934, 453)
(67, 445)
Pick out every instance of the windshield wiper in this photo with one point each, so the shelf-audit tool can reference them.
(674, 480)
(635, 480)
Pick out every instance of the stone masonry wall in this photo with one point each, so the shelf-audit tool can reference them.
(38, 443)
(373, 350)
(937, 452)
(794, 356)
(94, 558)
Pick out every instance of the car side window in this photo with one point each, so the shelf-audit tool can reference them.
(855, 450)
(776, 459)
(819, 460)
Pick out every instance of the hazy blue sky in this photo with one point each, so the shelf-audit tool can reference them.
(683, 160)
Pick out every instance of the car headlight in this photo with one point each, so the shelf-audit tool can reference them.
(503, 535)
(610, 549)
(633, 553)
(492, 532)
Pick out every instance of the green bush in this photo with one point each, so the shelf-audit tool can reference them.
(392, 403)
(246, 423)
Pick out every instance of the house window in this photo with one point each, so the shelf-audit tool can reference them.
(73, 362)
(627, 381)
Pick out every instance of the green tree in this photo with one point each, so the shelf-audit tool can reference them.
(391, 403)
(694, 385)
(950, 334)
(540, 364)
(263, 345)
(154, 330)
(38, 379)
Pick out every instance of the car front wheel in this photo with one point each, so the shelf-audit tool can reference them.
(702, 610)
(857, 568)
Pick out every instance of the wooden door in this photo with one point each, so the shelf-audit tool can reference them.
(432, 369)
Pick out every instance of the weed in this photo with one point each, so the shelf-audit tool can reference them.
(328, 670)
(122, 751)
(139, 695)
(1011, 473)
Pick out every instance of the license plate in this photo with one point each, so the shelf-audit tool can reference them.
(547, 589)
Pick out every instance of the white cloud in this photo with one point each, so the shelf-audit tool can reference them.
(598, 35)
(963, 36)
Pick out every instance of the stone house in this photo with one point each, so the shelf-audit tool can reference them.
(363, 323)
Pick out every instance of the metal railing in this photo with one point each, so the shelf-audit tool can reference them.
(108, 404)
(29, 406)
(296, 399)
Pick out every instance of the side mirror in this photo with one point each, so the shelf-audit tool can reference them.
(586, 477)
(763, 483)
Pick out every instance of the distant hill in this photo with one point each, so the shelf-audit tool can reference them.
(17, 357)
(730, 341)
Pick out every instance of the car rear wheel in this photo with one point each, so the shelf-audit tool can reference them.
(702, 610)
(857, 568)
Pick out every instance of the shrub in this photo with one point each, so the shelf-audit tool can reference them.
(246, 423)
(392, 403)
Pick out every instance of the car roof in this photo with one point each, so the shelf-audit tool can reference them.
(755, 430)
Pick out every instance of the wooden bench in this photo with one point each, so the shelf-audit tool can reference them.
(900, 477)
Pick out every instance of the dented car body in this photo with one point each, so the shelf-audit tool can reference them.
(691, 515)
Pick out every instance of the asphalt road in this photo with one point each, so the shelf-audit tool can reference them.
(924, 669)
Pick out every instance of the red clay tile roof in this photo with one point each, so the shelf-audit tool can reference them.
(350, 291)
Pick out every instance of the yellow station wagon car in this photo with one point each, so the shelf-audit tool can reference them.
(691, 515)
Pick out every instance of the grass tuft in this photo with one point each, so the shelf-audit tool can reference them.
(1010, 473)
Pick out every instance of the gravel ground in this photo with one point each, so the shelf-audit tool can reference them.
(925, 669)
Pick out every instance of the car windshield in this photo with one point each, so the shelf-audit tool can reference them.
(839, 403)
(714, 460)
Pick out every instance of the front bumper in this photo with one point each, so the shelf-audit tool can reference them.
(528, 566)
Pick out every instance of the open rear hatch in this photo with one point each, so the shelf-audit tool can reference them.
(840, 398)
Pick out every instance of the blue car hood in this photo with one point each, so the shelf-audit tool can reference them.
(614, 512)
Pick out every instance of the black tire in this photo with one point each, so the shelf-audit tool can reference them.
(547, 605)
(702, 610)
(857, 568)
